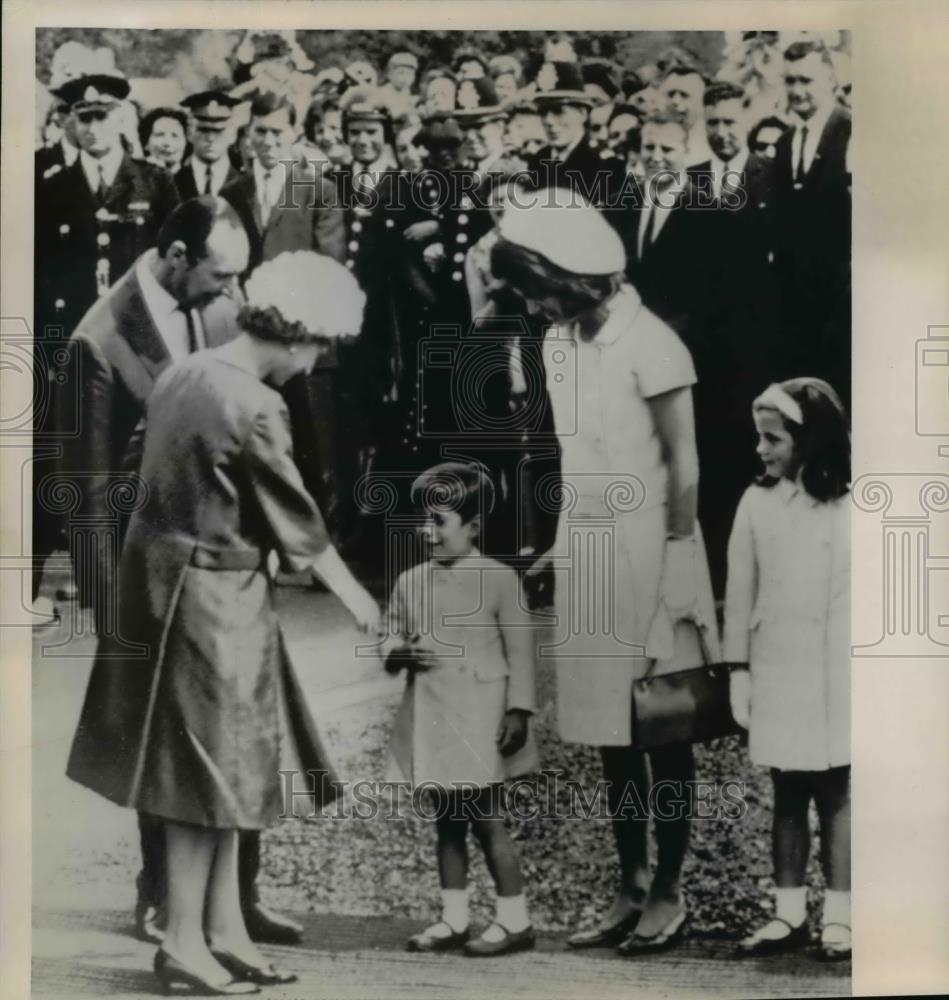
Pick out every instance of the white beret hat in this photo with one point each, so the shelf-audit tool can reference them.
(561, 226)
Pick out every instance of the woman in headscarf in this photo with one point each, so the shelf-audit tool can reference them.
(195, 729)
(628, 561)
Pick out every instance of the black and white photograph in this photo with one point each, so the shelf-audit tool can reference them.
(440, 507)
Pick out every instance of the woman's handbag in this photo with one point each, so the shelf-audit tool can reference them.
(687, 706)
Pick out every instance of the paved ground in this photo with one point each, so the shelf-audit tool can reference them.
(85, 857)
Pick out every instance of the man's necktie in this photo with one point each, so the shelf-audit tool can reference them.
(102, 191)
(207, 181)
(265, 205)
(799, 171)
(193, 342)
(649, 231)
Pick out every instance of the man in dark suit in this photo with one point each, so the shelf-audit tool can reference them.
(209, 167)
(734, 185)
(284, 204)
(812, 221)
(675, 248)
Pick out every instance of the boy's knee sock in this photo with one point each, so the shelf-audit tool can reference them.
(791, 905)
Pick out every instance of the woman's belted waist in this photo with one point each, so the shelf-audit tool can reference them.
(206, 557)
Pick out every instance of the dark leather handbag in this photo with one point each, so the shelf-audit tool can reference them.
(686, 706)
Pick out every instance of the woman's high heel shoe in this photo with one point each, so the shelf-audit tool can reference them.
(171, 972)
(263, 975)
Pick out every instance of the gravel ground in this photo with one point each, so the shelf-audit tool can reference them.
(380, 864)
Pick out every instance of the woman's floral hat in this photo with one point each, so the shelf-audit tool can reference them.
(302, 296)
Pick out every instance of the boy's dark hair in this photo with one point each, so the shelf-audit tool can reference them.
(684, 69)
(462, 486)
(316, 112)
(822, 442)
(666, 116)
(267, 103)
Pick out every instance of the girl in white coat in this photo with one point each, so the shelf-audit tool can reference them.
(787, 623)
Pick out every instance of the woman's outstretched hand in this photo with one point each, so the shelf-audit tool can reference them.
(363, 607)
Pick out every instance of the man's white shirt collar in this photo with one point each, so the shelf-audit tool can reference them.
(163, 307)
(109, 165)
(218, 169)
(734, 168)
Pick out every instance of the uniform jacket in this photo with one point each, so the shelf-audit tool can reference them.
(310, 220)
(113, 359)
(787, 613)
(81, 248)
(600, 180)
(187, 188)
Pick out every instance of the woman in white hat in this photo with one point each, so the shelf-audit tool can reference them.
(628, 560)
(192, 721)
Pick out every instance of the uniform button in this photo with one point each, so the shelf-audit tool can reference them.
(60, 304)
(139, 220)
(354, 245)
(461, 238)
(462, 219)
(357, 226)
(456, 275)
(458, 258)
(103, 239)
(64, 230)
(350, 263)
(390, 224)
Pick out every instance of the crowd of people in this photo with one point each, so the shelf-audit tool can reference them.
(320, 299)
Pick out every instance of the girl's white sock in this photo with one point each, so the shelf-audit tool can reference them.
(837, 907)
(455, 909)
(511, 913)
(791, 905)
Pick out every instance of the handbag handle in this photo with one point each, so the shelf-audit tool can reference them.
(703, 647)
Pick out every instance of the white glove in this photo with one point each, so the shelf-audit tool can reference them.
(739, 696)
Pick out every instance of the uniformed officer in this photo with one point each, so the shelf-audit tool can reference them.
(484, 122)
(211, 129)
(96, 217)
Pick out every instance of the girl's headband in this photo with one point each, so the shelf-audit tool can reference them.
(776, 398)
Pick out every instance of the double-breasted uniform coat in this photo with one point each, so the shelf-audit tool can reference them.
(195, 728)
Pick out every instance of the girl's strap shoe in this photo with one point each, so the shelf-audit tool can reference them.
(428, 941)
(265, 975)
(511, 942)
(605, 937)
(835, 951)
(794, 938)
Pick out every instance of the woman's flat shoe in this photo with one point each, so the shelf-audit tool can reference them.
(638, 944)
(426, 941)
(605, 937)
(796, 937)
(171, 972)
(835, 951)
(511, 942)
(265, 975)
